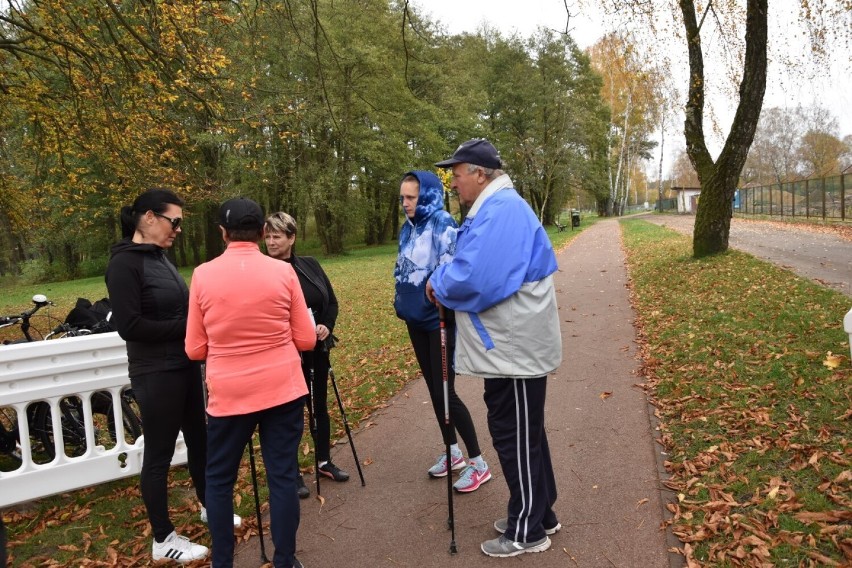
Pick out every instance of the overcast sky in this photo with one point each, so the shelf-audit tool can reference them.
(833, 89)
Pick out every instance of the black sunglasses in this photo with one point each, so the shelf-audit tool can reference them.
(174, 221)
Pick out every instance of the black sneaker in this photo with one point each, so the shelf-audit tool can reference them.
(297, 564)
(301, 489)
(333, 472)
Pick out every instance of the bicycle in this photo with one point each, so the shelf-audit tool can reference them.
(39, 416)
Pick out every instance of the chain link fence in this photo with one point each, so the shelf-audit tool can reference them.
(827, 198)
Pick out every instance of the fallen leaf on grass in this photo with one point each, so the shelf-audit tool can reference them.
(825, 560)
(823, 516)
(833, 361)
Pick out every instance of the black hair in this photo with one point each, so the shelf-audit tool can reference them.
(156, 199)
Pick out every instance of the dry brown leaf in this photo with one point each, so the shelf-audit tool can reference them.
(825, 560)
(823, 516)
(605, 395)
(833, 361)
(641, 502)
(844, 476)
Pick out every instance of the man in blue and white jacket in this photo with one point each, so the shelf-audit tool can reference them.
(500, 285)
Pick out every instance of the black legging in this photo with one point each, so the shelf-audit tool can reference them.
(316, 364)
(170, 402)
(427, 348)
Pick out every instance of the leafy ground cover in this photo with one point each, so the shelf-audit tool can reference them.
(842, 229)
(748, 367)
(107, 526)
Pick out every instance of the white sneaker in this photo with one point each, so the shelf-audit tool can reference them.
(238, 520)
(179, 549)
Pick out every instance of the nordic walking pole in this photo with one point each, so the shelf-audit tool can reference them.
(447, 426)
(263, 557)
(346, 424)
(312, 418)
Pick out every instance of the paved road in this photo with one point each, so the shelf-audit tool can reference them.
(607, 463)
(823, 257)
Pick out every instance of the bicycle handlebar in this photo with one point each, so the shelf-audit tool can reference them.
(38, 306)
(40, 301)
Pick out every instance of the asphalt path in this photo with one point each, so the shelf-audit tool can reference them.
(823, 257)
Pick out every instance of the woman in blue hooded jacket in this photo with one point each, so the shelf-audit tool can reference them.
(426, 240)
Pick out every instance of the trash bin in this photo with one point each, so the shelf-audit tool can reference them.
(575, 219)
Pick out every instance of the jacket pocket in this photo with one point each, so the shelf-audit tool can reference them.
(413, 307)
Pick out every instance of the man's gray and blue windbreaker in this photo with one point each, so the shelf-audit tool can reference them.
(425, 242)
(500, 285)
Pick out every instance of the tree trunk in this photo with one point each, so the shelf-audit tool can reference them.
(713, 220)
(719, 179)
(660, 170)
(213, 243)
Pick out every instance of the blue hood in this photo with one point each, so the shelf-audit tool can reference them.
(431, 196)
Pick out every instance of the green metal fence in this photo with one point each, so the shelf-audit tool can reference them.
(825, 198)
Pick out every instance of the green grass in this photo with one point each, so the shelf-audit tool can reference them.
(733, 348)
(372, 362)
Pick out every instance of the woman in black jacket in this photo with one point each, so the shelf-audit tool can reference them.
(149, 303)
(280, 236)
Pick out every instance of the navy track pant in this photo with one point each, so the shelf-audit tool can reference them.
(516, 422)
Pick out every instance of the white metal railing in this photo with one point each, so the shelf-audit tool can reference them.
(51, 371)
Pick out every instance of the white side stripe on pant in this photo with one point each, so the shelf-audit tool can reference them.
(523, 456)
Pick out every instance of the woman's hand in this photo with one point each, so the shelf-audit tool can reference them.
(322, 332)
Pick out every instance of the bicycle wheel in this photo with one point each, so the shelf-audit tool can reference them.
(102, 405)
(73, 426)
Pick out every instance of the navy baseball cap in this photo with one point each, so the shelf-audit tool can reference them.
(241, 213)
(479, 152)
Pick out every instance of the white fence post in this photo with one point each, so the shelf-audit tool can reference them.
(847, 325)
(50, 371)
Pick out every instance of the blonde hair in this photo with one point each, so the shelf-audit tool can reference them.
(281, 223)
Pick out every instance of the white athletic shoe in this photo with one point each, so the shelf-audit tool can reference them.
(179, 549)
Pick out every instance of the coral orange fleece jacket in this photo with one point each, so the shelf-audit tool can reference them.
(248, 319)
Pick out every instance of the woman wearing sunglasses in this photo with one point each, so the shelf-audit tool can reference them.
(150, 303)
